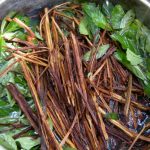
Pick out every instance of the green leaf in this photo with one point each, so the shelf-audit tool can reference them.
(2, 44)
(87, 56)
(107, 8)
(69, 13)
(13, 26)
(143, 39)
(9, 35)
(50, 123)
(4, 22)
(86, 27)
(147, 44)
(116, 16)
(100, 53)
(102, 50)
(136, 70)
(7, 110)
(28, 142)
(124, 41)
(83, 29)
(38, 36)
(68, 148)
(9, 77)
(147, 88)
(7, 142)
(133, 58)
(127, 19)
(96, 15)
(113, 116)
(9, 98)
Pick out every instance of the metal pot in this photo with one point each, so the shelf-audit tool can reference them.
(142, 7)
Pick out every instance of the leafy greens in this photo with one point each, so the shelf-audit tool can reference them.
(124, 28)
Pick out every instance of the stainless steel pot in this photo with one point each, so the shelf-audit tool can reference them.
(142, 7)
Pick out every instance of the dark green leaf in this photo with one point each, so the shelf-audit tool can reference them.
(96, 15)
(147, 88)
(116, 16)
(125, 43)
(87, 27)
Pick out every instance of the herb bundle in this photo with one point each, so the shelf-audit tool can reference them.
(78, 80)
